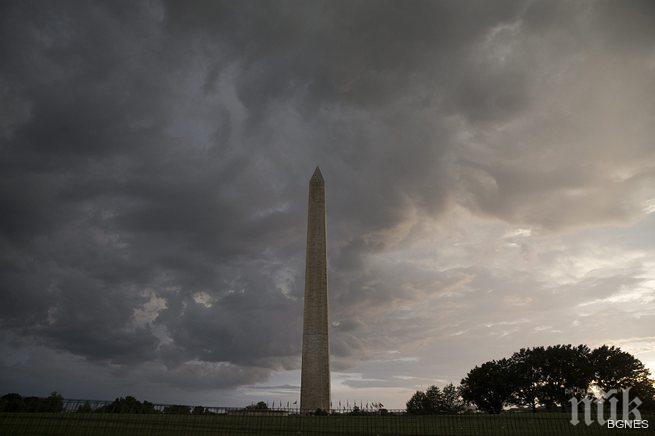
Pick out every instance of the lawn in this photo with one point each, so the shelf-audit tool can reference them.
(160, 424)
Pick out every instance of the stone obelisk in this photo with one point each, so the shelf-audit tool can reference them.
(315, 373)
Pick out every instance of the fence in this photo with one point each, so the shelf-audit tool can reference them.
(82, 417)
(273, 408)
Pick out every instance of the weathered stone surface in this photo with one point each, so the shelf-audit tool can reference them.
(315, 378)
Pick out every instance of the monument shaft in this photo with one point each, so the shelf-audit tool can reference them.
(315, 373)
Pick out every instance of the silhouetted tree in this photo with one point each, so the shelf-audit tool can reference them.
(565, 369)
(435, 402)
(12, 403)
(526, 369)
(355, 411)
(259, 406)
(489, 386)
(127, 405)
(177, 409)
(452, 403)
(16, 403)
(616, 369)
(85, 408)
(54, 403)
(417, 404)
(199, 410)
(551, 376)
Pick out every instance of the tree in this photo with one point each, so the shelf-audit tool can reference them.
(543, 376)
(526, 368)
(616, 369)
(550, 376)
(452, 402)
(199, 410)
(127, 405)
(489, 386)
(12, 403)
(434, 400)
(54, 403)
(355, 411)
(176, 409)
(416, 404)
(85, 408)
(16, 403)
(566, 372)
(259, 406)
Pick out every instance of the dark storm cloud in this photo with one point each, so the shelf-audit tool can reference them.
(155, 159)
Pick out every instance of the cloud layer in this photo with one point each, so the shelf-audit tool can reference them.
(489, 167)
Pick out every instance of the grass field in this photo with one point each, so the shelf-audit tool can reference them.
(160, 424)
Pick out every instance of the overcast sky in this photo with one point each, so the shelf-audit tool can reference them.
(490, 178)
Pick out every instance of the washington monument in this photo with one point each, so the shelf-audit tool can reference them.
(315, 377)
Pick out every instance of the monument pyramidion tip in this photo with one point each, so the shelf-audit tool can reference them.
(317, 177)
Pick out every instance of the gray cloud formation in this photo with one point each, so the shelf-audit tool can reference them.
(155, 160)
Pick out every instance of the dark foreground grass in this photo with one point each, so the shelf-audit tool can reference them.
(161, 424)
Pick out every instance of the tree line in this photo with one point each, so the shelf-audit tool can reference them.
(18, 403)
(541, 378)
(55, 403)
(132, 405)
(435, 400)
(538, 378)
